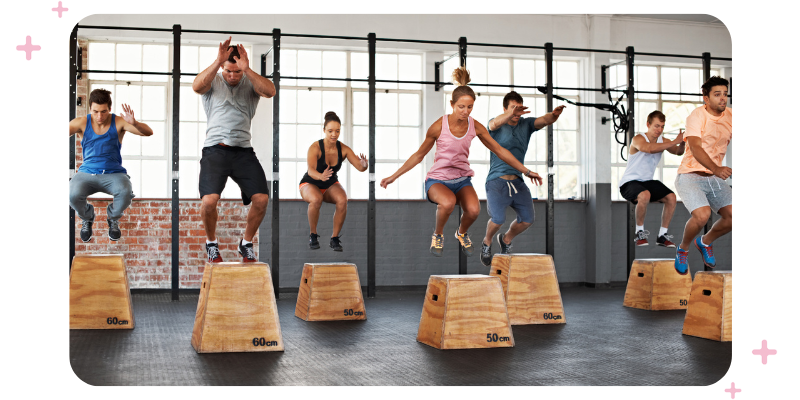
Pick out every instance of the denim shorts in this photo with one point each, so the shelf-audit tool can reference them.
(453, 186)
(703, 191)
(501, 193)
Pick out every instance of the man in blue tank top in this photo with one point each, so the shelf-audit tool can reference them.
(101, 135)
(504, 185)
(230, 99)
(637, 184)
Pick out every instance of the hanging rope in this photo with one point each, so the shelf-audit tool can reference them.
(618, 115)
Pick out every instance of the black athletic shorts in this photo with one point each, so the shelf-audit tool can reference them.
(630, 190)
(240, 163)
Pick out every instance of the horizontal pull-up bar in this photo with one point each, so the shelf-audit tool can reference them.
(123, 28)
(516, 46)
(227, 32)
(415, 41)
(101, 71)
(323, 36)
(589, 50)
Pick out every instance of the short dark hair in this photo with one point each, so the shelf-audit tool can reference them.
(330, 116)
(234, 53)
(512, 95)
(656, 114)
(100, 96)
(713, 81)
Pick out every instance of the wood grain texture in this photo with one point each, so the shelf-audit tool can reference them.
(655, 285)
(99, 293)
(236, 311)
(530, 286)
(330, 292)
(472, 312)
(709, 314)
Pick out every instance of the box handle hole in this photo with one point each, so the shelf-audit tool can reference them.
(706, 293)
(641, 274)
(435, 297)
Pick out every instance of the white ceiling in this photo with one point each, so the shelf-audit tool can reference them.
(702, 18)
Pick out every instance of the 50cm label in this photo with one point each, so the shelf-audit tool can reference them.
(492, 337)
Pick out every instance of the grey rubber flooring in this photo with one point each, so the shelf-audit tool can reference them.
(602, 343)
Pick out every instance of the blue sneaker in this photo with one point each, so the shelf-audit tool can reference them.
(682, 261)
(707, 252)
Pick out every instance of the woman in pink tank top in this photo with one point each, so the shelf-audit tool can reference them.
(448, 182)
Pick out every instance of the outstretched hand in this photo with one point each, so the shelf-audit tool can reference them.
(517, 110)
(386, 182)
(535, 178)
(128, 114)
(363, 160)
(327, 173)
(224, 52)
(242, 61)
(558, 110)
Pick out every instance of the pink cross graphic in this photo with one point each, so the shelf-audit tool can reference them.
(764, 352)
(60, 9)
(733, 390)
(28, 48)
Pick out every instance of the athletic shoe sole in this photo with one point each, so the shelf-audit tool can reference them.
(86, 241)
(643, 244)
(672, 246)
(312, 247)
(337, 249)
(701, 255)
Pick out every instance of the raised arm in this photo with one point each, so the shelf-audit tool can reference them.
(263, 86)
(202, 82)
(76, 125)
(430, 138)
(695, 144)
(502, 119)
(504, 154)
(640, 144)
(360, 162)
(549, 118)
(678, 149)
(127, 123)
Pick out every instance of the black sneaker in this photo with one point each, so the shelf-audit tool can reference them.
(248, 255)
(486, 254)
(664, 240)
(113, 230)
(504, 248)
(313, 243)
(213, 253)
(335, 244)
(86, 230)
(437, 245)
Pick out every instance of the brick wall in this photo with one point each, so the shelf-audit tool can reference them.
(146, 240)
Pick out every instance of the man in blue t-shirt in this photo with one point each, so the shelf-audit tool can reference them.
(504, 185)
(101, 133)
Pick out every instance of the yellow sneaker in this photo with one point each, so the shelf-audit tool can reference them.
(437, 245)
(466, 243)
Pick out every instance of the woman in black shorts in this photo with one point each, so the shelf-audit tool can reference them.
(320, 183)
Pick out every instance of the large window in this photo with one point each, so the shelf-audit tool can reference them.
(398, 117)
(489, 104)
(675, 107)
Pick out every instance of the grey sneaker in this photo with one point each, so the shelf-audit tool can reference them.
(437, 245)
(466, 243)
(113, 230)
(86, 230)
(504, 248)
(486, 254)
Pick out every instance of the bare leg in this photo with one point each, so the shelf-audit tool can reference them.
(336, 195)
(208, 213)
(313, 196)
(723, 226)
(258, 208)
(642, 200)
(694, 225)
(491, 230)
(470, 206)
(446, 202)
(669, 209)
(515, 229)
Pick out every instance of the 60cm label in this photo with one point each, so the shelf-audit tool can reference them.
(263, 342)
(115, 321)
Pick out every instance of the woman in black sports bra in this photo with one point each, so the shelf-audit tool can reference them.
(320, 183)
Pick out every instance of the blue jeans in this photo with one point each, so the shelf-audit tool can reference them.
(82, 185)
(454, 187)
(501, 193)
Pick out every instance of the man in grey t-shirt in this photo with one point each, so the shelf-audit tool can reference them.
(230, 99)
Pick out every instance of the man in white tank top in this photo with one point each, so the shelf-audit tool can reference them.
(637, 185)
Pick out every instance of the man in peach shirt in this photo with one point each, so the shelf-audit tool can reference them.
(701, 176)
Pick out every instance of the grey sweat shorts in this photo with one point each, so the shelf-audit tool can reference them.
(700, 191)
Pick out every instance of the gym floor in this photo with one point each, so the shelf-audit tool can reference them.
(602, 343)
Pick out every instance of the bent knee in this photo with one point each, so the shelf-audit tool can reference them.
(447, 207)
(701, 214)
(643, 196)
(210, 201)
(259, 200)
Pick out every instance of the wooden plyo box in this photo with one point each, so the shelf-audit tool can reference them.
(330, 292)
(99, 295)
(464, 312)
(530, 287)
(710, 309)
(236, 311)
(655, 285)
